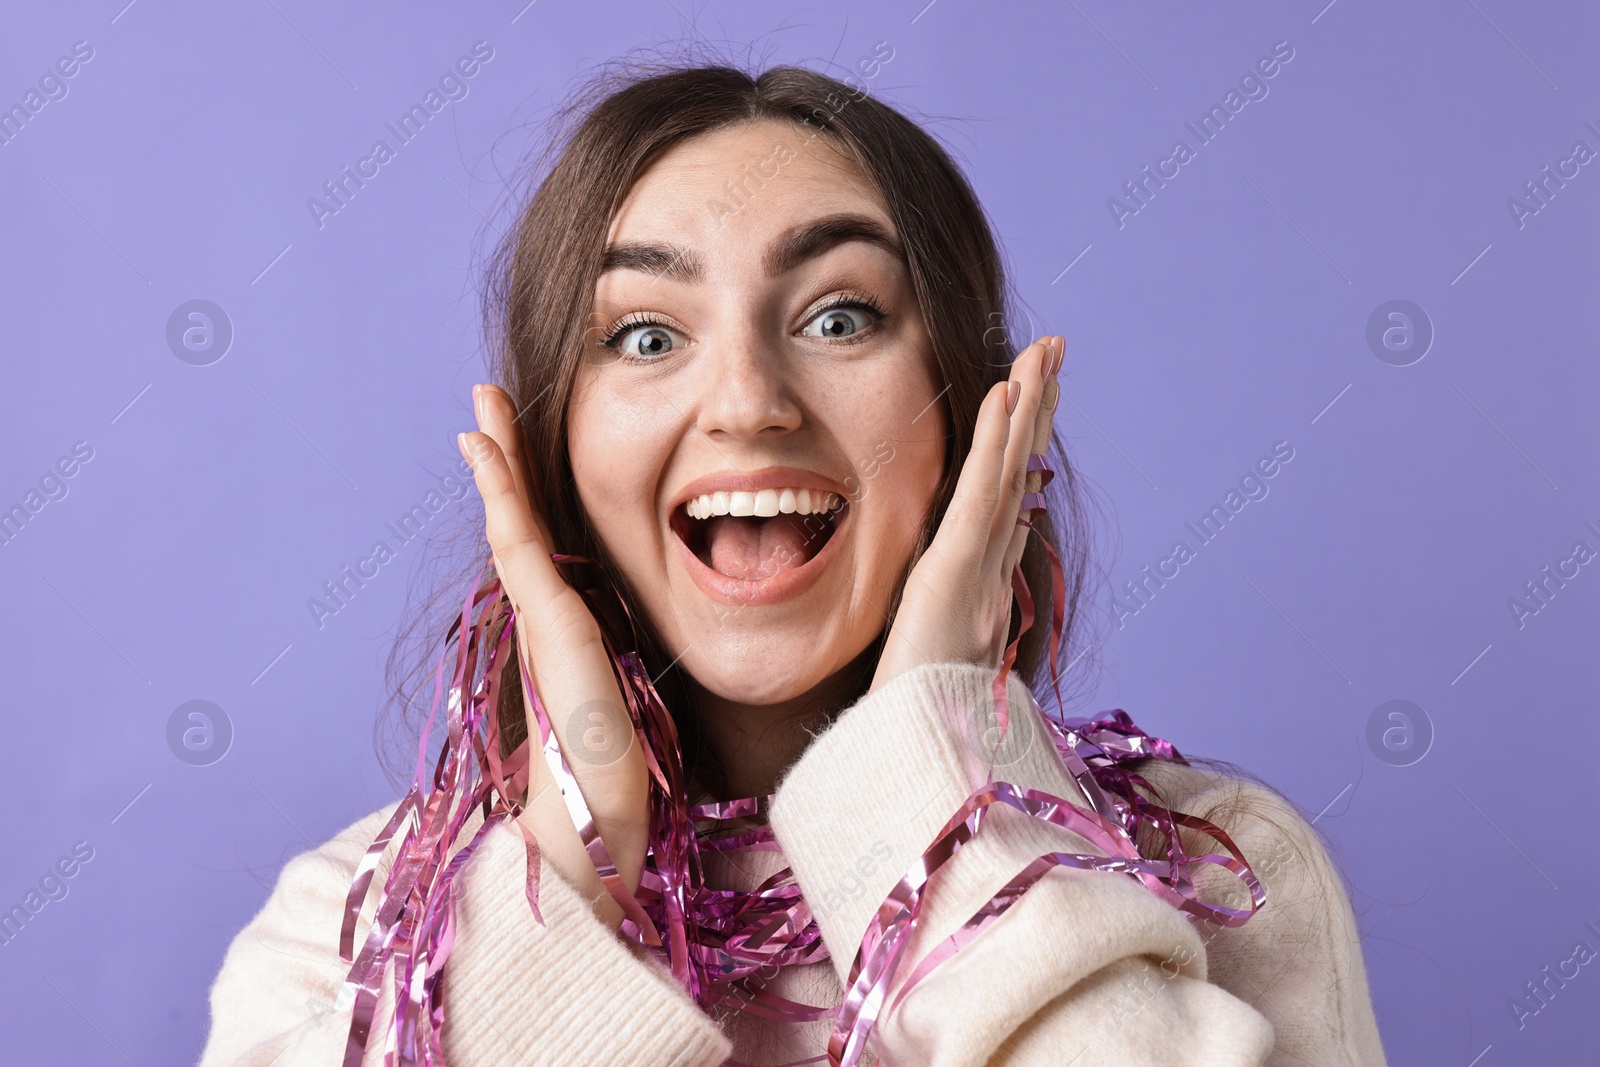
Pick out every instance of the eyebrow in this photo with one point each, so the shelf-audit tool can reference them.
(785, 254)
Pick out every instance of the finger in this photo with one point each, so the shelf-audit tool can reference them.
(519, 543)
(1047, 408)
(1044, 421)
(964, 533)
(1028, 371)
(497, 417)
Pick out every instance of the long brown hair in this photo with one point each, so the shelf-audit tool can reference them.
(541, 282)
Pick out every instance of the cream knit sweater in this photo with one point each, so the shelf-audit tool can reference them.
(1087, 969)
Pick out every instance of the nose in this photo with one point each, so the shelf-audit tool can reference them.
(745, 392)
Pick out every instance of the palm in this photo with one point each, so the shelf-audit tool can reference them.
(561, 642)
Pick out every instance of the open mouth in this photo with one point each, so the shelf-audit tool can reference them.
(757, 536)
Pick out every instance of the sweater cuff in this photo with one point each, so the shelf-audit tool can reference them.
(870, 794)
(569, 992)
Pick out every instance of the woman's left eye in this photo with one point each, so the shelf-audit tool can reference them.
(839, 322)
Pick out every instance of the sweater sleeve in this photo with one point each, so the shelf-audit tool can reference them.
(1298, 960)
(1087, 968)
(516, 993)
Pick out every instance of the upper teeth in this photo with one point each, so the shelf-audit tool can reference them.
(765, 502)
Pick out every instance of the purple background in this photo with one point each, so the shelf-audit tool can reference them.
(1229, 313)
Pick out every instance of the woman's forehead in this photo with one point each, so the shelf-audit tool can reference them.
(741, 185)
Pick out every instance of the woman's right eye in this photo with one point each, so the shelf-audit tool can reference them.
(642, 342)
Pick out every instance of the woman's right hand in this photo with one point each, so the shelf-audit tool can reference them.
(560, 641)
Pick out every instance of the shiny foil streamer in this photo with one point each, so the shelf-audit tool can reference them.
(711, 939)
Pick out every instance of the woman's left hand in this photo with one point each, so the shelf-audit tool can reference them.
(957, 601)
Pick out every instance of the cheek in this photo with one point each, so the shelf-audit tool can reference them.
(903, 475)
(897, 446)
(616, 464)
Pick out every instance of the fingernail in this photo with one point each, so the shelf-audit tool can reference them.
(1052, 395)
(477, 403)
(461, 443)
(1013, 394)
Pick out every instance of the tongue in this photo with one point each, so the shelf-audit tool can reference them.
(753, 549)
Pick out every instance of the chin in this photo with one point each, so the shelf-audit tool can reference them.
(754, 671)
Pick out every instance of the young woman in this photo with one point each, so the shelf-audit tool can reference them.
(741, 765)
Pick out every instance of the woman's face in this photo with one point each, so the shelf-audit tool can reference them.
(755, 432)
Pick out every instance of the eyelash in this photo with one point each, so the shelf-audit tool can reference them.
(860, 301)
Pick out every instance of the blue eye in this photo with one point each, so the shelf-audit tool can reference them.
(839, 322)
(654, 341)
